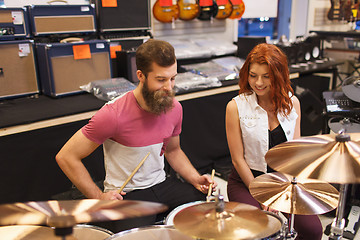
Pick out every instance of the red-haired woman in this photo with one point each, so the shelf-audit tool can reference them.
(265, 113)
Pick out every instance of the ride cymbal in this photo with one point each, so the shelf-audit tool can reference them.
(281, 192)
(69, 212)
(330, 158)
(351, 88)
(236, 221)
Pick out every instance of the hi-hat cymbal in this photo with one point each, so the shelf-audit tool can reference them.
(351, 88)
(330, 158)
(281, 192)
(237, 221)
(66, 213)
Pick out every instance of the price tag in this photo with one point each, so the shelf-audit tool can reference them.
(81, 51)
(206, 3)
(113, 50)
(166, 3)
(109, 3)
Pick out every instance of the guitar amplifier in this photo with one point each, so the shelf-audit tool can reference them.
(126, 65)
(18, 75)
(126, 44)
(64, 67)
(14, 24)
(120, 15)
(62, 19)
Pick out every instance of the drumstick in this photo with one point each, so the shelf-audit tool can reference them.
(210, 186)
(133, 173)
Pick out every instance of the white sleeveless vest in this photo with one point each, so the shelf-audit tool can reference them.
(254, 128)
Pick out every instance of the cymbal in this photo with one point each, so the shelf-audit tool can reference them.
(328, 157)
(351, 88)
(30, 232)
(280, 192)
(67, 213)
(237, 221)
(349, 125)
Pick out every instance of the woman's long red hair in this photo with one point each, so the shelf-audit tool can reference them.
(278, 72)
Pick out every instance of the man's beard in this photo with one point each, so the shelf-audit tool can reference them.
(159, 101)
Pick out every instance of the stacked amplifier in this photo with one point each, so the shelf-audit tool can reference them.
(55, 49)
(18, 75)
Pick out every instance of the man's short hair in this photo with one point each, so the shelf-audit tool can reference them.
(158, 51)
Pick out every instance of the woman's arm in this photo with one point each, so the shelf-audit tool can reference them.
(235, 143)
(296, 103)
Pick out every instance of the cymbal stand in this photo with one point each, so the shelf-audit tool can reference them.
(338, 224)
(290, 231)
(63, 225)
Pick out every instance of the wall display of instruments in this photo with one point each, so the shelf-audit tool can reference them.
(119, 15)
(341, 10)
(167, 11)
(18, 75)
(14, 24)
(62, 19)
(64, 67)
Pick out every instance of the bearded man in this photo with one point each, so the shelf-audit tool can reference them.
(147, 119)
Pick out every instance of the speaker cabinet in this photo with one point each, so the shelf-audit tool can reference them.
(64, 67)
(120, 15)
(17, 69)
(127, 44)
(62, 19)
(14, 24)
(290, 51)
(127, 65)
(246, 44)
(314, 43)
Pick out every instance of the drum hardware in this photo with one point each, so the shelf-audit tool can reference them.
(351, 88)
(285, 193)
(330, 158)
(62, 216)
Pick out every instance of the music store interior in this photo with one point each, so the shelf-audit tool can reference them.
(61, 61)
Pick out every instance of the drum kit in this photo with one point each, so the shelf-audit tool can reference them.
(305, 168)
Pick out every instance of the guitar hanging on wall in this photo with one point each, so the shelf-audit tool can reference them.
(238, 9)
(225, 9)
(334, 12)
(188, 9)
(166, 11)
(208, 10)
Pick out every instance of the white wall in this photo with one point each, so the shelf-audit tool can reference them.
(21, 3)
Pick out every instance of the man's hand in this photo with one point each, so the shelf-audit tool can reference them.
(112, 195)
(203, 182)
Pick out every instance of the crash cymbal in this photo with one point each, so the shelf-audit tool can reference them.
(236, 221)
(283, 193)
(330, 158)
(351, 88)
(62, 214)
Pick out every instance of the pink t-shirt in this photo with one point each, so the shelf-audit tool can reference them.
(128, 133)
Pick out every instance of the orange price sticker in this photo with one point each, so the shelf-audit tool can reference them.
(114, 49)
(236, 2)
(81, 51)
(165, 3)
(204, 3)
(222, 2)
(109, 3)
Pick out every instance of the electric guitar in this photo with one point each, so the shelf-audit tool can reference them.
(334, 12)
(208, 10)
(225, 9)
(188, 9)
(165, 11)
(238, 9)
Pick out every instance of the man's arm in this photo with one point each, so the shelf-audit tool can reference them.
(70, 158)
(182, 165)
